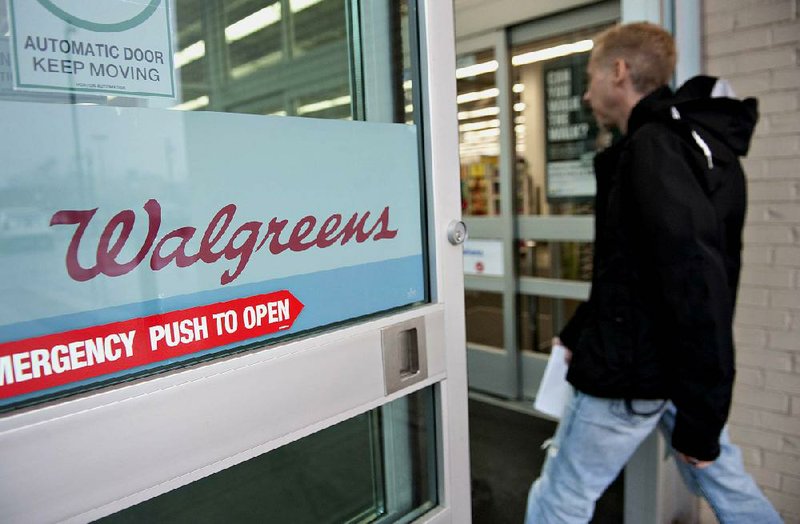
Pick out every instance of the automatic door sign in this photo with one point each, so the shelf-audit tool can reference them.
(113, 46)
(44, 362)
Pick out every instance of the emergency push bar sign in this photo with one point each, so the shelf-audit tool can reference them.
(49, 361)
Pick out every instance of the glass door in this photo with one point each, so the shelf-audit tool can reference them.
(233, 295)
(526, 145)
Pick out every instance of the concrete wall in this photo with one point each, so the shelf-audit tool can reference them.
(756, 45)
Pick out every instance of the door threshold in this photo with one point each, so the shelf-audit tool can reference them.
(520, 406)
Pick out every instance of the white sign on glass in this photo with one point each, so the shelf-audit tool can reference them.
(115, 46)
(483, 257)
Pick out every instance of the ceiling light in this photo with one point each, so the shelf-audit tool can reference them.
(483, 124)
(474, 96)
(552, 52)
(190, 53)
(478, 113)
(238, 30)
(323, 105)
(195, 103)
(477, 69)
(483, 134)
(298, 5)
(255, 22)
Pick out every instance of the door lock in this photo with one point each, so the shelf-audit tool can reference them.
(457, 232)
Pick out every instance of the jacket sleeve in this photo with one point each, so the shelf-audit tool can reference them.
(678, 239)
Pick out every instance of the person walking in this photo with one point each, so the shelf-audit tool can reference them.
(653, 346)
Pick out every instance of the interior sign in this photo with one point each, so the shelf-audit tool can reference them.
(114, 46)
(483, 257)
(571, 132)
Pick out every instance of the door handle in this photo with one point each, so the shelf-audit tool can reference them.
(405, 359)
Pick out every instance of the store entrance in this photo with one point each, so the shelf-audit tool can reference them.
(527, 144)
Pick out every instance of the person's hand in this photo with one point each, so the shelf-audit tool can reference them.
(567, 352)
(695, 463)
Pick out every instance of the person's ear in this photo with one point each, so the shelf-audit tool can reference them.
(620, 71)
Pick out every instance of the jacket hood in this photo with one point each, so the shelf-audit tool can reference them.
(706, 104)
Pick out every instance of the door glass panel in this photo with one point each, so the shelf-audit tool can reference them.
(253, 36)
(312, 24)
(542, 318)
(479, 133)
(562, 260)
(376, 467)
(556, 139)
(150, 235)
(484, 318)
(190, 41)
(556, 135)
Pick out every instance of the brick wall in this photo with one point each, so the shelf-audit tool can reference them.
(756, 45)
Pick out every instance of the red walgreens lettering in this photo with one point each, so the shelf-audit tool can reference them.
(239, 248)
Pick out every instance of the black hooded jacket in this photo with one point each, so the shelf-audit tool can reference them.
(669, 213)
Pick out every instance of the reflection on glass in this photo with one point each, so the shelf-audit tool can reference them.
(332, 104)
(479, 133)
(484, 318)
(253, 36)
(316, 24)
(563, 260)
(403, 64)
(190, 55)
(542, 318)
(555, 134)
(379, 465)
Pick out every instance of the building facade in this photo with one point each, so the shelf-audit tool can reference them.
(755, 45)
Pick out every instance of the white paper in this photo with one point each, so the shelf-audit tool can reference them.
(554, 390)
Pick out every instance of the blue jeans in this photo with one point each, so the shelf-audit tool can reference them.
(594, 441)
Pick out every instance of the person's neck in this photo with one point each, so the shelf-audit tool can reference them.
(630, 100)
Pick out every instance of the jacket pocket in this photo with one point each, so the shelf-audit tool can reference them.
(605, 351)
(615, 322)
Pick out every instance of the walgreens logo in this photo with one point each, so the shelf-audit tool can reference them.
(219, 239)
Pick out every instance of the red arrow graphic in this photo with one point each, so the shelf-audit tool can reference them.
(39, 363)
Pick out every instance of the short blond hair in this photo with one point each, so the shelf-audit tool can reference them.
(648, 50)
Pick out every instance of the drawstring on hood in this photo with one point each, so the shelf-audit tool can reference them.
(706, 111)
(706, 104)
(676, 115)
(710, 106)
